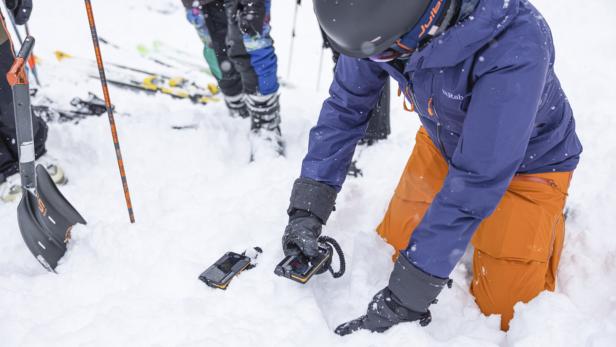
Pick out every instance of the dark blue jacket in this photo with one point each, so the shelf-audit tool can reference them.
(486, 93)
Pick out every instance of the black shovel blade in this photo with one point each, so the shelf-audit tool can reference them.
(46, 219)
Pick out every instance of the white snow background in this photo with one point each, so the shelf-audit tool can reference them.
(196, 197)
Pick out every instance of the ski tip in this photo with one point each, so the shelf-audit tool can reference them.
(61, 55)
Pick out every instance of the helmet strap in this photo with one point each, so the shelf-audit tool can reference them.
(434, 21)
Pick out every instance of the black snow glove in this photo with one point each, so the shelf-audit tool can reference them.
(251, 16)
(406, 299)
(301, 234)
(21, 10)
(311, 204)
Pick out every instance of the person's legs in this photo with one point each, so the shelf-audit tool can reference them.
(422, 178)
(379, 126)
(559, 240)
(517, 248)
(8, 149)
(213, 34)
(8, 154)
(10, 185)
(255, 59)
(196, 17)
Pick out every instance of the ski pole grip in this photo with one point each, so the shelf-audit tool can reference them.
(17, 73)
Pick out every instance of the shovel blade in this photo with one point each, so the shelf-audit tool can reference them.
(46, 219)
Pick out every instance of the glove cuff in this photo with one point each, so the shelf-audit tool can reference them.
(314, 197)
(413, 288)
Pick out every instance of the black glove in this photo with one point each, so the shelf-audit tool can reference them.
(21, 10)
(251, 16)
(406, 299)
(311, 204)
(301, 234)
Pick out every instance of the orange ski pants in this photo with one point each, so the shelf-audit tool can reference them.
(517, 248)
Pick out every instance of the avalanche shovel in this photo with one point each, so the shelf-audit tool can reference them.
(44, 215)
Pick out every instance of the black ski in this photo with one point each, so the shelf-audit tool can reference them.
(77, 110)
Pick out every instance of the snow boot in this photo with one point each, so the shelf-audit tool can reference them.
(265, 135)
(53, 168)
(10, 189)
(237, 106)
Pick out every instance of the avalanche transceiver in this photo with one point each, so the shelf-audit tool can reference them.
(222, 272)
(300, 269)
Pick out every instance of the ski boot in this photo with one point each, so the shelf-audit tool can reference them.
(10, 189)
(55, 171)
(265, 136)
(237, 106)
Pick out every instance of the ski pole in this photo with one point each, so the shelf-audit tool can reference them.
(114, 133)
(299, 2)
(32, 60)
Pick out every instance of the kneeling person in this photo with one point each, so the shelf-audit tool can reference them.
(492, 160)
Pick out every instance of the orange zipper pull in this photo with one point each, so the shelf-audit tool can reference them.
(430, 108)
(406, 97)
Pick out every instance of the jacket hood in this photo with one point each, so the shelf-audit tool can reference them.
(467, 36)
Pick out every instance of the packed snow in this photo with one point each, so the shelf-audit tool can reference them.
(196, 196)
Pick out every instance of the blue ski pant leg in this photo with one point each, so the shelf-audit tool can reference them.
(263, 60)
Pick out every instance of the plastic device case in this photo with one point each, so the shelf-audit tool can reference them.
(222, 272)
(300, 269)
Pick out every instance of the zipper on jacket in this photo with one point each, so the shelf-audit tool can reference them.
(432, 112)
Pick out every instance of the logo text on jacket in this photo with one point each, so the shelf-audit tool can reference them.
(453, 96)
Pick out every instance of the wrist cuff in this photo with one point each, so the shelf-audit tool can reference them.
(314, 197)
(414, 288)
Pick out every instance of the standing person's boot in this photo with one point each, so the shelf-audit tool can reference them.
(53, 168)
(266, 139)
(10, 188)
(237, 105)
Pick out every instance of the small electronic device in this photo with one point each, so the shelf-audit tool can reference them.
(300, 268)
(222, 272)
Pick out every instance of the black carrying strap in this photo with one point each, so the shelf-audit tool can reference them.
(333, 244)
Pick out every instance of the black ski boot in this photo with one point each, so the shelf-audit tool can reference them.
(266, 138)
(237, 105)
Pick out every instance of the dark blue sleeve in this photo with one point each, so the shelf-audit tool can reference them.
(495, 135)
(343, 120)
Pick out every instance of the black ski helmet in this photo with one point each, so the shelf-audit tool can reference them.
(361, 28)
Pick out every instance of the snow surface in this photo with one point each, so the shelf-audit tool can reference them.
(196, 197)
